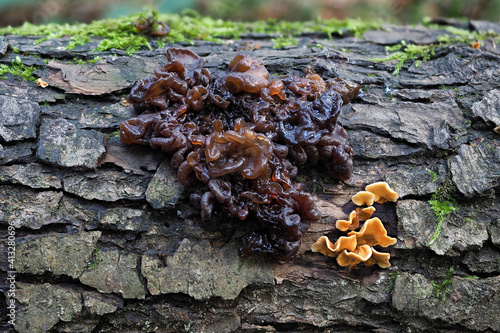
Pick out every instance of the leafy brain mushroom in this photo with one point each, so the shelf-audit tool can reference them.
(238, 139)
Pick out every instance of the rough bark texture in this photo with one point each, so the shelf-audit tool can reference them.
(108, 242)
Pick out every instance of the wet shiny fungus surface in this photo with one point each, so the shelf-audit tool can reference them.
(151, 26)
(240, 136)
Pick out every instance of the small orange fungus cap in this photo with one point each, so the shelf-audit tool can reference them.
(382, 192)
(360, 254)
(41, 83)
(351, 224)
(373, 233)
(360, 214)
(380, 258)
(363, 198)
(324, 246)
(364, 213)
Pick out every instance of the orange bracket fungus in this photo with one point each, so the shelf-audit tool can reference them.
(357, 215)
(237, 139)
(372, 233)
(379, 258)
(356, 248)
(382, 192)
(363, 198)
(351, 224)
(41, 83)
(364, 213)
(324, 246)
(360, 254)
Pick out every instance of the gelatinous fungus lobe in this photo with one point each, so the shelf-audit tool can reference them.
(246, 74)
(240, 136)
(151, 26)
(240, 151)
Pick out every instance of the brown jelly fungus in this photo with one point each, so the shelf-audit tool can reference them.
(151, 26)
(238, 138)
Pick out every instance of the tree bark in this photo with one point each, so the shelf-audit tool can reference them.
(106, 240)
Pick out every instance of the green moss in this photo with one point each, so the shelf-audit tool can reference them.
(82, 62)
(451, 88)
(441, 210)
(95, 59)
(284, 41)
(392, 276)
(115, 134)
(17, 68)
(442, 289)
(95, 259)
(130, 44)
(121, 34)
(394, 48)
(319, 182)
(113, 31)
(419, 53)
(442, 205)
(434, 175)
(403, 52)
(489, 146)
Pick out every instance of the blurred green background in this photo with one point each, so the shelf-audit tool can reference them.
(15, 12)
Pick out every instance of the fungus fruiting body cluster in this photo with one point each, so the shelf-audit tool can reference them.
(152, 26)
(239, 137)
(358, 246)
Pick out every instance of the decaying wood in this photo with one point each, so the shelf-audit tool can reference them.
(108, 242)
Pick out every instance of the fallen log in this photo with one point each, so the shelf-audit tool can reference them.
(106, 239)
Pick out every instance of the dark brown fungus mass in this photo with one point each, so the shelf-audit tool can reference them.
(240, 136)
(151, 26)
(246, 74)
